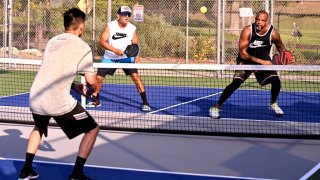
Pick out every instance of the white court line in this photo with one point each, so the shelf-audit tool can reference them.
(204, 97)
(312, 171)
(142, 170)
(14, 95)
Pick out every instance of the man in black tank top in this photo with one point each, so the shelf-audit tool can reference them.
(254, 47)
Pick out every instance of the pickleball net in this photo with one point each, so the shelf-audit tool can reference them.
(180, 96)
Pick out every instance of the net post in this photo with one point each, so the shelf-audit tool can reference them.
(83, 98)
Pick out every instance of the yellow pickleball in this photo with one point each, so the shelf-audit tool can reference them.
(203, 9)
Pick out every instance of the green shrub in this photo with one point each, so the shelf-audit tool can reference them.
(202, 48)
(159, 38)
(200, 23)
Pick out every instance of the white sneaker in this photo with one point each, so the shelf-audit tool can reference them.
(276, 109)
(214, 113)
(145, 108)
(93, 104)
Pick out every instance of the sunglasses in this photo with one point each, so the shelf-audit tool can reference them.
(125, 14)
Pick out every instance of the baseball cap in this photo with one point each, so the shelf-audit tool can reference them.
(124, 9)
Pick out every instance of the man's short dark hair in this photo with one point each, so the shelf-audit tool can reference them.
(263, 12)
(73, 18)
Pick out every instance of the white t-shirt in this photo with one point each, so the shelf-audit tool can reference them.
(66, 55)
(119, 38)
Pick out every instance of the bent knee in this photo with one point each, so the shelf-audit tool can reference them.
(95, 130)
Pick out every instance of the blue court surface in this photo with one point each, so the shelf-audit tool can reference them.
(169, 157)
(192, 101)
(9, 169)
(146, 156)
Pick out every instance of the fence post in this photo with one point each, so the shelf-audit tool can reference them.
(223, 32)
(266, 6)
(10, 28)
(28, 31)
(187, 33)
(109, 9)
(93, 27)
(271, 20)
(218, 31)
(5, 35)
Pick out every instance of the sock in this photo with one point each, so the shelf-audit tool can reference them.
(78, 167)
(29, 160)
(144, 98)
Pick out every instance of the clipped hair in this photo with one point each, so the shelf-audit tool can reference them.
(73, 18)
(263, 12)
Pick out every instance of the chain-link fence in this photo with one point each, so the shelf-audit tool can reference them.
(236, 15)
(172, 31)
(296, 22)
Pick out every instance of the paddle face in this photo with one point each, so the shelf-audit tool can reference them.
(132, 50)
(282, 58)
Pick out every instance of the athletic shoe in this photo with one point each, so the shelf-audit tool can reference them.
(275, 108)
(27, 175)
(81, 177)
(145, 108)
(94, 103)
(214, 113)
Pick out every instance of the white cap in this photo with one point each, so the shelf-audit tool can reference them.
(124, 9)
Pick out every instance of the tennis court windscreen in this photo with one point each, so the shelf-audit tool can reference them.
(180, 96)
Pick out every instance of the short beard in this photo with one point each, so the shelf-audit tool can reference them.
(258, 28)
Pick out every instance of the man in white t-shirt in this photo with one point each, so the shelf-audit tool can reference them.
(117, 35)
(65, 56)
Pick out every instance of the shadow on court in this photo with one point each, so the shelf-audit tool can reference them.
(268, 156)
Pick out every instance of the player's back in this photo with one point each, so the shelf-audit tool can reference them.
(50, 91)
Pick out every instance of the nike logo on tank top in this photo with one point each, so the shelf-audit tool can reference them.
(119, 38)
(260, 45)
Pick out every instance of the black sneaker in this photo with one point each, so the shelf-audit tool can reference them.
(81, 177)
(27, 175)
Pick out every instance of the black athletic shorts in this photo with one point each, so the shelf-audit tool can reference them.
(261, 76)
(73, 123)
(110, 71)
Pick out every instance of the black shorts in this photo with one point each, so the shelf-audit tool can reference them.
(261, 76)
(73, 123)
(110, 71)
